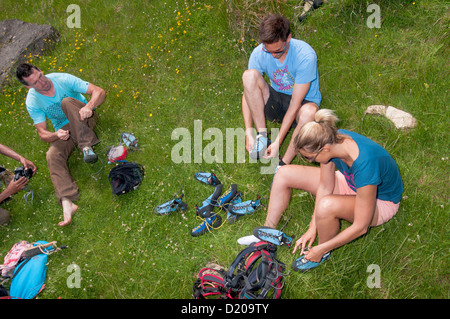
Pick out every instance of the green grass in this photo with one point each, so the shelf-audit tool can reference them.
(165, 64)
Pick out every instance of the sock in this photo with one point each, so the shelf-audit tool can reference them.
(263, 133)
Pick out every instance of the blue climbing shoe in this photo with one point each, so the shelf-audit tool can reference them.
(173, 205)
(302, 264)
(244, 208)
(273, 236)
(129, 140)
(231, 218)
(89, 155)
(206, 209)
(227, 196)
(260, 146)
(207, 178)
(209, 224)
(238, 209)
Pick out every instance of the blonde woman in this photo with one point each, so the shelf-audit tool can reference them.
(357, 181)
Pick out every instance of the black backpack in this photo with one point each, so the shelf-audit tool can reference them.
(255, 273)
(125, 177)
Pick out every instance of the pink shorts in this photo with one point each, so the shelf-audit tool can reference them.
(386, 209)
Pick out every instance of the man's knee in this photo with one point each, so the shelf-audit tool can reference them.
(50, 155)
(68, 102)
(250, 77)
(306, 113)
(54, 155)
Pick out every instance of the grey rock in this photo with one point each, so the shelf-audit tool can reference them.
(19, 40)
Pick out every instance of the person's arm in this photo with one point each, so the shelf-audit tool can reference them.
(5, 150)
(48, 136)
(13, 187)
(97, 98)
(298, 95)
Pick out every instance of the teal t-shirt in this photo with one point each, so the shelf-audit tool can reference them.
(42, 107)
(299, 66)
(374, 166)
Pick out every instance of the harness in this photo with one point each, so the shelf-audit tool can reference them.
(254, 274)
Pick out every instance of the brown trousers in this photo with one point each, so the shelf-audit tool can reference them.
(82, 134)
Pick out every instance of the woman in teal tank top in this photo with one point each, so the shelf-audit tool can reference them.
(357, 181)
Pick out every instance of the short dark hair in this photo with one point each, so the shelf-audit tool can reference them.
(274, 28)
(25, 70)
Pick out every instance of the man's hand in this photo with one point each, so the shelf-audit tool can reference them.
(272, 150)
(85, 113)
(15, 186)
(27, 164)
(97, 97)
(5, 150)
(249, 141)
(63, 134)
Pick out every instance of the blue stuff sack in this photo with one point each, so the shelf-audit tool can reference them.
(29, 276)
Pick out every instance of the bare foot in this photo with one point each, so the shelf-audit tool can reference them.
(69, 209)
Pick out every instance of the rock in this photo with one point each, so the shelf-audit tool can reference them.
(19, 40)
(376, 109)
(308, 6)
(400, 118)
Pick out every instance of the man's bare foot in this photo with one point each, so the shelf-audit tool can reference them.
(69, 209)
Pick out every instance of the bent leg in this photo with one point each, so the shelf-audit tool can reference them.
(81, 131)
(305, 114)
(288, 177)
(256, 94)
(331, 209)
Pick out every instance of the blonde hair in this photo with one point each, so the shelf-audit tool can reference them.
(315, 135)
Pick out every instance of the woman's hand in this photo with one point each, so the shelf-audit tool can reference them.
(314, 254)
(305, 241)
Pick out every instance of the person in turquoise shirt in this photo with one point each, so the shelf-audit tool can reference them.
(358, 181)
(59, 97)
